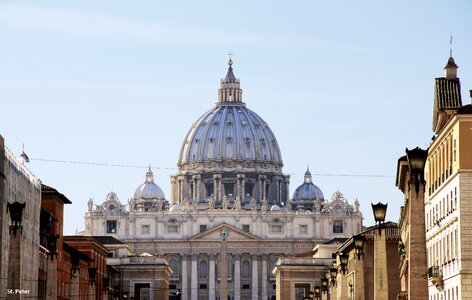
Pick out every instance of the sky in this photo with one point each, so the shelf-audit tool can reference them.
(98, 90)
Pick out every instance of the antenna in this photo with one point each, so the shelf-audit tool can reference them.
(230, 54)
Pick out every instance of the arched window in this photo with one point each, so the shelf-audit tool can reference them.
(203, 268)
(246, 268)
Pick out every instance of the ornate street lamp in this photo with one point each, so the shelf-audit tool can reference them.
(52, 245)
(311, 294)
(380, 210)
(75, 261)
(92, 273)
(125, 295)
(359, 245)
(106, 284)
(343, 259)
(324, 285)
(16, 215)
(333, 273)
(416, 161)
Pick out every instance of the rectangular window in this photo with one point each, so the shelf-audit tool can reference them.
(276, 228)
(246, 228)
(111, 226)
(203, 228)
(203, 286)
(303, 229)
(246, 286)
(454, 150)
(145, 229)
(338, 226)
(172, 228)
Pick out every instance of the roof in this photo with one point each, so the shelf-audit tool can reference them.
(107, 240)
(51, 190)
(466, 109)
(335, 241)
(72, 250)
(447, 93)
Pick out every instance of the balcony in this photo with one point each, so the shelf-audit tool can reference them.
(436, 277)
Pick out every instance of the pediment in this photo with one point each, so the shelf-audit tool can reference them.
(232, 234)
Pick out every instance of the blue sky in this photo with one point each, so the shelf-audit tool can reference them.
(344, 85)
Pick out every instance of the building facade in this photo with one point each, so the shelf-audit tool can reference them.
(374, 274)
(20, 195)
(449, 192)
(230, 217)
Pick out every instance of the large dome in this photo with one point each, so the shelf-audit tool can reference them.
(230, 153)
(230, 131)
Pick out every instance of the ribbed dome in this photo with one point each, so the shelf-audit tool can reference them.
(308, 191)
(230, 131)
(149, 190)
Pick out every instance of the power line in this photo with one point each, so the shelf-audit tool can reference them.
(121, 165)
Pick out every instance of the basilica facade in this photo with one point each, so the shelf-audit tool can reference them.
(230, 216)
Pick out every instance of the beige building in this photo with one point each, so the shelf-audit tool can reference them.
(373, 274)
(297, 276)
(18, 240)
(230, 217)
(449, 192)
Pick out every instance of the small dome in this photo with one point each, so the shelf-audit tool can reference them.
(308, 191)
(149, 190)
(275, 207)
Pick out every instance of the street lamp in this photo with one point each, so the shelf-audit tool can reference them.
(380, 210)
(52, 245)
(92, 273)
(333, 273)
(359, 245)
(324, 285)
(416, 161)
(317, 292)
(343, 259)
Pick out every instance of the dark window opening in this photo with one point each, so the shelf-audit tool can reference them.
(111, 226)
(203, 228)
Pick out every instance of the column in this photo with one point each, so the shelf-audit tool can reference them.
(264, 277)
(181, 191)
(15, 261)
(74, 290)
(14, 265)
(51, 284)
(194, 276)
(237, 277)
(91, 291)
(359, 290)
(211, 278)
(184, 288)
(417, 255)
(287, 182)
(380, 267)
(255, 277)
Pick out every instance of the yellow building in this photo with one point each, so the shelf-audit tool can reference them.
(448, 202)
